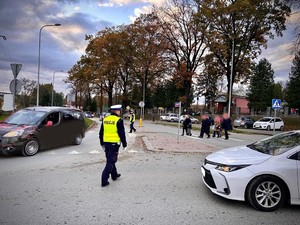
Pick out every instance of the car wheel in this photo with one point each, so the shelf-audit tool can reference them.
(268, 128)
(245, 126)
(266, 193)
(281, 128)
(31, 148)
(78, 139)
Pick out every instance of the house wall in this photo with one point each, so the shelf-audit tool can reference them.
(242, 103)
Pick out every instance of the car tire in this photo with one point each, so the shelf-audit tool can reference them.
(268, 128)
(245, 126)
(281, 128)
(266, 193)
(77, 139)
(31, 148)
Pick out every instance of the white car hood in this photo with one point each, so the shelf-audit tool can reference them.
(240, 155)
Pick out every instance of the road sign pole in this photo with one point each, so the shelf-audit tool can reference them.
(274, 121)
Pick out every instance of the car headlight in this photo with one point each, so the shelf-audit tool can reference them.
(15, 133)
(226, 168)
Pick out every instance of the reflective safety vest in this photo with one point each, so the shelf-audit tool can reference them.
(110, 129)
(132, 118)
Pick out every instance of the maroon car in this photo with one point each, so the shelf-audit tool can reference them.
(31, 129)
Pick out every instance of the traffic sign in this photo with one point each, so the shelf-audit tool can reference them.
(15, 69)
(15, 85)
(141, 104)
(276, 103)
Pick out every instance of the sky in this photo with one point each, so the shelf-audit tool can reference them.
(62, 46)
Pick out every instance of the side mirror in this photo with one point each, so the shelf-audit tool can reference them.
(49, 123)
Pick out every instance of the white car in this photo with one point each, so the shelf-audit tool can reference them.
(266, 173)
(267, 123)
(194, 120)
(164, 116)
(172, 117)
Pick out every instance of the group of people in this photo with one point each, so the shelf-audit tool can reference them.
(112, 136)
(218, 123)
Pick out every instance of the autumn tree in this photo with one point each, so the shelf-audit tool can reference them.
(293, 84)
(260, 93)
(238, 29)
(149, 64)
(185, 38)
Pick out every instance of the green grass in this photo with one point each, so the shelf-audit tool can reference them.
(87, 122)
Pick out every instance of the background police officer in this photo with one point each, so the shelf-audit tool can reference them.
(112, 134)
(132, 119)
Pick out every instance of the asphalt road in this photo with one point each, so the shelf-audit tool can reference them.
(62, 186)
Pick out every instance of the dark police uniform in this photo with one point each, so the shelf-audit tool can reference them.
(112, 134)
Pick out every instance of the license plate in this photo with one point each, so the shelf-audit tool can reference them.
(203, 171)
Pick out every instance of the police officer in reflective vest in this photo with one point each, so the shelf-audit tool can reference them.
(112, 134)
(132, 119)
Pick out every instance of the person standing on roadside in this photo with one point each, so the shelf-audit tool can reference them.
(132, 119)
(205, 126)
(226, 125)
(111, 135)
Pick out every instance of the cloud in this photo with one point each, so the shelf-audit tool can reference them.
(61, 46)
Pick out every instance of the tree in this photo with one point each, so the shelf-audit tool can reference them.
(237, 29)
(261, 88)
(296, 5)
(185, 38)
(28, 94)
(293, 85)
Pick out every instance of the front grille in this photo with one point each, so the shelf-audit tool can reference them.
(209, 179)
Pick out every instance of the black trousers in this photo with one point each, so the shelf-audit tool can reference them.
(111, 154)
(132, 127)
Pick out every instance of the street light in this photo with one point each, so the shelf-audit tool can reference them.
(39, 60)
(231, 81)
(4, 38)
(53, 85)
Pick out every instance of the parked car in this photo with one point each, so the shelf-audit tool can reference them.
(88, 114)
(266, 173)
(103, 115)
(193, 119)
(246, 122)
(267, 123)
(172, 117)
(29, 130)
(164, 116)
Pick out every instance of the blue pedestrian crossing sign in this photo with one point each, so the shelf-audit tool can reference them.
(276, 103)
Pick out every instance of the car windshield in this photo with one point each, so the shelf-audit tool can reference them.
(27, 117)
(265, 119)
(277, 144)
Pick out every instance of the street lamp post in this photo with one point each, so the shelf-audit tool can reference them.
(39, 61)
(52, 102)
(231, 77)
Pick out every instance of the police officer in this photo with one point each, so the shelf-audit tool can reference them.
(132, 119)
(112, 134)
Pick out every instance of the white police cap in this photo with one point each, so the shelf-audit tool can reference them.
(116, 107)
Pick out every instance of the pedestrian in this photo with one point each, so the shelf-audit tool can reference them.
(205, 126)
(217, 126)
(132, 119)
(187, 125)
(226, 125)
(112, 134)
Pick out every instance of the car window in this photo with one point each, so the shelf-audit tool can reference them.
(28, 117)
(277, 144)
(265, 119)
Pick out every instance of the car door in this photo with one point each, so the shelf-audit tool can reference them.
(48, 133)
